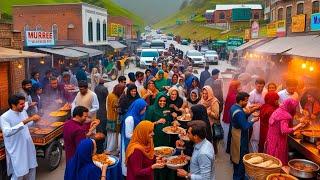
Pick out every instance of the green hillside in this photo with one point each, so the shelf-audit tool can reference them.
(113, 8)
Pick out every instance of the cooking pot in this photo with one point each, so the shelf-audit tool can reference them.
(301, 173)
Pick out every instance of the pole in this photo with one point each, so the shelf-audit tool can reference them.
(51, 60)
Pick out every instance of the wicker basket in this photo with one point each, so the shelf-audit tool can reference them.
(260, 173)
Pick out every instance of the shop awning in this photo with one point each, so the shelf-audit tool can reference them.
(9, 54)
(66, 52)
(308, 49)
(116, 45)
(248, 44)
(284, 44)
(90, 51)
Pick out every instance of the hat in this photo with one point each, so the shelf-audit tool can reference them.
(215, 72)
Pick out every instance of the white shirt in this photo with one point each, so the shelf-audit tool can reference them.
(129, 123)
(285, 95)
(20, 150)
(94, 107)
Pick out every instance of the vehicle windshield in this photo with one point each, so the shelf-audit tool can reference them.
(194, 53)
(211, 52)
(149, 54)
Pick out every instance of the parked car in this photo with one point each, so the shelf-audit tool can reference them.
(147, 56)
(211, 57)
(196, 57)
(164, 38)
(157, 44)
(185, 42)
(145, 45)
(170, 38)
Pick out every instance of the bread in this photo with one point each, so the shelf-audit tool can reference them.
(273, 165)
(265, 164)
(255, 160)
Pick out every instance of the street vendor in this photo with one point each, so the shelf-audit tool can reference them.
(20, 150)
(312, 106)
(86, 98)
(290, 91)
(30, 106)
(53, 95)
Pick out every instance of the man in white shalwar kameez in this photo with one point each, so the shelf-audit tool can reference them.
(20, 150)
(256, 98)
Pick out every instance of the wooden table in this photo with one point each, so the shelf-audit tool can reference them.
(308, 150)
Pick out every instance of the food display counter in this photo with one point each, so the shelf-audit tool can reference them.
(308, 150)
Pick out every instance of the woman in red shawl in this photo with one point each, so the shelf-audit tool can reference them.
(234, 88)
(271, 104)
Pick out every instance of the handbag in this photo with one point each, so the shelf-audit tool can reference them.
(218, 131)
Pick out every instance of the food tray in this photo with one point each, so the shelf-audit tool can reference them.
(173, 151)
(166, 130)
(44, 139)
(175, 166)
(114, 160)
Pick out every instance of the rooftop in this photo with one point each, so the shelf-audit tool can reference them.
(221, 7)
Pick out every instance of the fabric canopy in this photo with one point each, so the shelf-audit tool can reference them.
(311, 49)
(116, 45)
(284, 44)
(248, 44)
(68, 53)
(90, 51)
(9, 54)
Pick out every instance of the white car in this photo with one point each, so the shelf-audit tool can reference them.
(196, 57)
(164, 38)
(211, 57)
(147, 56)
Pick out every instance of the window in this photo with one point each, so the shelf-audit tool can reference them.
(90, 30)
(26, 28)
(222, 15)
(300, 8)
(288, 14)
(256, 15)
(38, 27)
(55, 31)
(280, 13)
(315, 7)
(98, 30)
(104, 30)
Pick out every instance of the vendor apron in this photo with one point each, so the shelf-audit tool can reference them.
(235, 145)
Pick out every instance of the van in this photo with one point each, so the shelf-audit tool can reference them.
(157, 44)
(147, 56)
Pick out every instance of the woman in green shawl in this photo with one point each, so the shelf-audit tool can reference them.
(157, 113)
(161, 82)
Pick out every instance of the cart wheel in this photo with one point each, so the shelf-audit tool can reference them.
(53, 155)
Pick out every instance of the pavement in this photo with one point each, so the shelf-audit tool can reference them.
(223, 167)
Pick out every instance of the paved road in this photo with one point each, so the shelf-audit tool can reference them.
(223, 166)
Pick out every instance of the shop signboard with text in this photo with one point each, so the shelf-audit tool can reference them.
(298, 23)
(281, 28)
(315, 22)
(39, 38)
(255, 30)
(114, 29)
(272, 29)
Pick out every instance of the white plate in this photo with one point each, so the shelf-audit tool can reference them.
(112, 158)
(161, 147)
(184, 139)
(175, 166)
(164, 130)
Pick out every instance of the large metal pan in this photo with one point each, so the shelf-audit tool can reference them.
(311, 136)
(303, 173)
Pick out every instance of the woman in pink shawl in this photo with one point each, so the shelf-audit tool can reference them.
(276, 143)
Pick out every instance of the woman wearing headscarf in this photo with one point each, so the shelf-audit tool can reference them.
(175, 102)
(174, 80)
(113, 122)
(276, 142)
(140, 153)
(149, 92)
(195, 84)
(133, 117)
(95, 77)
(160, 82)
(194, 98)
(234, 88)
(81, 166)
(271, 104)
(211, 103)
(127, 98)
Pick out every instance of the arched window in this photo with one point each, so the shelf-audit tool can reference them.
(300, 8)
(90, 30)
(98, 30)
(256, 15)
(280, 13)
(315, 7)
(26, 28)
(288, 14)
(38, 27)
(104, 31)
(222, 15)
(55, 31)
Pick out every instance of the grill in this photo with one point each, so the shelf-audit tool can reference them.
(44, 139)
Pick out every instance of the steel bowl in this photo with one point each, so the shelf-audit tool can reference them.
(301, 173)
(313, 139)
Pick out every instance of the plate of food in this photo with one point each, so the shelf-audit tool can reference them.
(256, 114)
(176, 162)
(56, 124)
(43, 122)
(42, 131)
(184, 117)
(184, 137)
(174, 130)
(164, 151)
(66, 107)
(101, 159)
(33, 129)
(58, 113)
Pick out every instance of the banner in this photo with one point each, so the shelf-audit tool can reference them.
(114, 29)
(254, 30)
(315, 22)
(39, 38)
(298, 23)
(272, 29)
(120, 30)
(281, 28)
(247, 34)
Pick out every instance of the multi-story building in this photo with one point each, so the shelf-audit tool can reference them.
(120, 27)
(79, 24)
